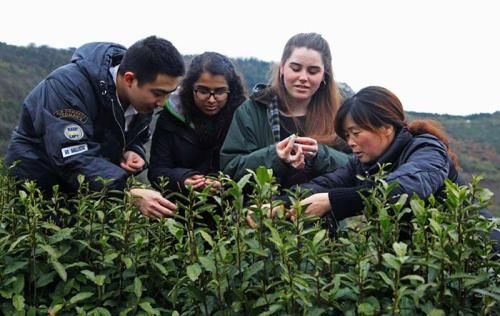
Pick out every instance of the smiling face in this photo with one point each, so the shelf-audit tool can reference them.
(148, 96)
(367, 145)
(302, 74)
(210, 93)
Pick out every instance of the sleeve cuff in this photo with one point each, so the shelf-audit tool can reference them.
(345, 202)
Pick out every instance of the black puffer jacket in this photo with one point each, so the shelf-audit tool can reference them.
(71, 123)
(419, 163)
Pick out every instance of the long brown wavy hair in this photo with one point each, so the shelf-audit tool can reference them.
(325, 101)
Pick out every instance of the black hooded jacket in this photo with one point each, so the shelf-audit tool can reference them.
(71, 123)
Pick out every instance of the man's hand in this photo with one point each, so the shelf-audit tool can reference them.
(132, 162)
(152, 204)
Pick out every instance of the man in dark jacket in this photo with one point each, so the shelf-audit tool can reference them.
(91, 117)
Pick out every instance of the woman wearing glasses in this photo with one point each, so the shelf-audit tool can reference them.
(191, 128)
(288, 125)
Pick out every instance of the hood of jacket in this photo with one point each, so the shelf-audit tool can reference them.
(95, 60)
(173, 107)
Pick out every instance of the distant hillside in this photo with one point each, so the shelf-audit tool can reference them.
(476, 138)
(21, 68)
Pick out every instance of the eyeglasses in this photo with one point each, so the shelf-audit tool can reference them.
(204, 93)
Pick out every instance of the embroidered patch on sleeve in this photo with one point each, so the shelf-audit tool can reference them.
(74, 150)
(73, 132)
(71, 114)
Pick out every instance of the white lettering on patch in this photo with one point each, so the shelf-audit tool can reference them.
(73, 132)
(73, 150)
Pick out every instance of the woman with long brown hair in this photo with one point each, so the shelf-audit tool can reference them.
(287, 125)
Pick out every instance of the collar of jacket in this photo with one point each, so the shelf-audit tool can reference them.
(264, 96)
(172, 107)
(401, 140)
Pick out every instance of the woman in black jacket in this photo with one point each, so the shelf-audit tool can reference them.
(192, 127)
(373, 124)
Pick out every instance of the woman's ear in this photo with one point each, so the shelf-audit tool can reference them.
(387, 130)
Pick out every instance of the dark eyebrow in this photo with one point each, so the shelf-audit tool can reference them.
(314, 68)
(162, 91)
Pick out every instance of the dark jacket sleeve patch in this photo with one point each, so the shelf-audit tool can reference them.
(71, 114)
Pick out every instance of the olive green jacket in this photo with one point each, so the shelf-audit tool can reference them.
(249, 144)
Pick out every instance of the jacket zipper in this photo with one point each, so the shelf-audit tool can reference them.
(104, 92)
(137, 134)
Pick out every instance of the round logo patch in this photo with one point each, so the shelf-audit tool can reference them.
(73, 132)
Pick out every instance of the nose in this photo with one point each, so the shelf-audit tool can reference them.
(350, 142)
(303, 76)
(211, 98)
(161, 101)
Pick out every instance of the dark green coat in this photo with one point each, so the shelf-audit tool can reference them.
(249, 144)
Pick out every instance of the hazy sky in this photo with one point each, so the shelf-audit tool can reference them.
(438, 56)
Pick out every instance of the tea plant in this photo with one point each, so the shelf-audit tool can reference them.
(93, 253)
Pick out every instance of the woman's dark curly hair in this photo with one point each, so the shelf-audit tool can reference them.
(215, 64)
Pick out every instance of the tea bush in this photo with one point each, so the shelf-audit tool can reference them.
(95, 254)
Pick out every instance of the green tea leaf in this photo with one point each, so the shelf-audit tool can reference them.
(109, 257)
(207, 237)
(320, 235)
(14, 266)
(400, 248)
(391, 261)
(436, 312)
(386, 279)
(251, 270)
(127, 261)
(207, 263)
(146, 306)
(137, 287)
(45, 279)
(413, 277)
(89, 274)
(18, 302)
(18, 285)
(53, 254)
(99, 311)
(193, 271)
(55, 309)
(99, 279)
(161, 268)
(59, 269)
(80, 297)
(15, 243)
(175, 229)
